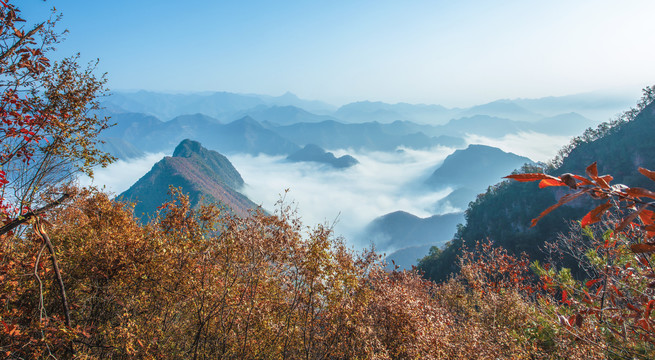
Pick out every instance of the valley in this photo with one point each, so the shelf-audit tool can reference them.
(288, 149)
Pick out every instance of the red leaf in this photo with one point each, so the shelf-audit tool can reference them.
(530, 177)
(649, 308)
(639, 192)
(647, 217)
(583, 180)
(564, 295)
(647, 173)
(618, 292)
(628, 219)
(550, 182)
(590, 283)
(595, 214)
(604, 181)
(642, 248)
(563, 200)
(592, 171)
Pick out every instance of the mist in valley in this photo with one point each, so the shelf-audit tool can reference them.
(345, 199)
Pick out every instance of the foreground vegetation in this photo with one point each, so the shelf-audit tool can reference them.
(201, 283)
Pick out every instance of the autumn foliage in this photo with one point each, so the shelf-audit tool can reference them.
(612, 308)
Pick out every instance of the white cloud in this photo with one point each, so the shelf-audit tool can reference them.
(122, 174)
(381, 183)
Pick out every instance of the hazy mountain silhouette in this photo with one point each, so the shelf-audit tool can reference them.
(283, 115)
(314, 153)
(502, 109)
(371, 136)
(368, 111)
(245, 135)
(475, 167)
(401, 229)
(120, 148)
(221, 105)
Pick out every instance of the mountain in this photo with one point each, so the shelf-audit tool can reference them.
(314, 153)
(407, 257)
(244, 135)
(563, 124)
(569, 124)
(484, 125)
(503, 109)
(221, 105)
(370, 136)
(475, 167)
(283, 115)
(504, 212)
(131, 127)
(205, 175)
(290, 99)
(457, 199)
(120, 148)
(401, 229)
(368, 111)
(599, 106)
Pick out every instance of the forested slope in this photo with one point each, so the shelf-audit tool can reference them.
(503, 213)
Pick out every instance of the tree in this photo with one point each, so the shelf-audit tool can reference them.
(612, 308)
(47, 134)
(47, 129)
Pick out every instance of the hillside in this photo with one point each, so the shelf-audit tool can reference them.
(205, 175)
(504, 212)
(313, 153)
(475, 167)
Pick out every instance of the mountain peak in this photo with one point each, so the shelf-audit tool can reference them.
(201, 173)
(187, 148)
(289, 95)
(246, 120)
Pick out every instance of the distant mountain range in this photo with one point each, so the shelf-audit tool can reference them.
(227, 107)
(368, 136)
(301, 130)
(220, 105)
(254, 124)
(205, 175)
(247, 135)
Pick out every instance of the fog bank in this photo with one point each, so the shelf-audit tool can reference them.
(381, 183)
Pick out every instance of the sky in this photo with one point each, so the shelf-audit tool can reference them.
(454, 53)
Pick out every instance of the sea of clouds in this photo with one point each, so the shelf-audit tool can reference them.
(347, 199)
(350, 198)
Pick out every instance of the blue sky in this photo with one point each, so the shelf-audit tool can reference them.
(455, 53)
